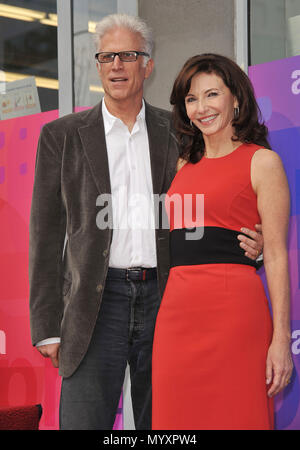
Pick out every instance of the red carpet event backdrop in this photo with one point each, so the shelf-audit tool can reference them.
(26, 377)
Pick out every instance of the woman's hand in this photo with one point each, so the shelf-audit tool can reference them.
(279, 366)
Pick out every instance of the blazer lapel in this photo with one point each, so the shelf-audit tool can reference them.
(94, 146)
(158, 133)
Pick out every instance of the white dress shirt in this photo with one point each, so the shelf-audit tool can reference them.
(133, 242)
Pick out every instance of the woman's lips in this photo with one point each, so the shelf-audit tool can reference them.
(208, 119)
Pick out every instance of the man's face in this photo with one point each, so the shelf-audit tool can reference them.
(123, 81)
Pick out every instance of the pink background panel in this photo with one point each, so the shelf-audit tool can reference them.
(26, 377)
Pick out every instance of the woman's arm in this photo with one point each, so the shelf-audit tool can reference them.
(273, 200)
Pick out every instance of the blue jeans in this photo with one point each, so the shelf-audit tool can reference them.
(123, 333)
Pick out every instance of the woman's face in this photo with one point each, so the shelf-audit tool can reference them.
(210, 104)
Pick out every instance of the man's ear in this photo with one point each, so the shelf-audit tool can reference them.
(98, 68)
(149, 68)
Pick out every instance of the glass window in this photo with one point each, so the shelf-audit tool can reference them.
(274, 30)
(87, 85)
(28, 47)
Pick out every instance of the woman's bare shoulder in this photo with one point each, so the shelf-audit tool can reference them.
(266, 159)
(266, 170)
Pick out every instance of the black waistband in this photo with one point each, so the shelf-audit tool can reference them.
(133, 273)
(207, 245)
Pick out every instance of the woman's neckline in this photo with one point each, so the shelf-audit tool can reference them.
(225, 156)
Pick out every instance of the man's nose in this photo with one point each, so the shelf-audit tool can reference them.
(117, 63)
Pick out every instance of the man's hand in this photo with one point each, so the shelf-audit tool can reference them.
(254, 246)
(50, 351)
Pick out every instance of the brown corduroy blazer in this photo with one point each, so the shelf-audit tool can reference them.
(68, 253)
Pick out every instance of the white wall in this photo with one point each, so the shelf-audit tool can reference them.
(183, 28)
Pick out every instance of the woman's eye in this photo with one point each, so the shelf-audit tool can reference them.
(189, 100)
(212, 94)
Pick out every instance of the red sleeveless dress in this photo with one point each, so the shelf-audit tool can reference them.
(214, 326)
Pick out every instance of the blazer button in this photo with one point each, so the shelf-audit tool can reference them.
(105, 253)
(99, 288)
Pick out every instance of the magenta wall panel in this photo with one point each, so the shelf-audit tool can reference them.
(26, 377)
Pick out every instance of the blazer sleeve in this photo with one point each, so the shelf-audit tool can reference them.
(47, 231)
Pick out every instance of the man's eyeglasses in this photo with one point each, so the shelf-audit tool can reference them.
(130, 56)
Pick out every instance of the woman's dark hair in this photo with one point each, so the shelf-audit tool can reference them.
(248, 126)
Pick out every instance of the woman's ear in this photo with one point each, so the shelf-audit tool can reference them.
(236, 103)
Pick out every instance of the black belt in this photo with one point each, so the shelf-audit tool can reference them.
(216, 246)
(133, 273)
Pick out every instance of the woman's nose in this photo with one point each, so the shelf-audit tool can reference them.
(201, 106)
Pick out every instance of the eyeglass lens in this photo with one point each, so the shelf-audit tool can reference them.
(124, 56)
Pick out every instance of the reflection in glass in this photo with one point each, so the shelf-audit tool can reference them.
(28, 46)
(274, 30)
(87, 86)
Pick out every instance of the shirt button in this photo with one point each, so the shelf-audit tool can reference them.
(99, 288)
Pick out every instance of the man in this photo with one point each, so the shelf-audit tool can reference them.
(97, 297)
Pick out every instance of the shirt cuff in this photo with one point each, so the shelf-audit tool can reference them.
(54, 340)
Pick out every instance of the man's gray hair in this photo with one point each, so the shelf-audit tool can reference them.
(132, 23)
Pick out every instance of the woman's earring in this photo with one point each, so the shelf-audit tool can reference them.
(236, 113)
(191, 123)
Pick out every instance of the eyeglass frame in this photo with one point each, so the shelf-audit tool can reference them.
(137, 53)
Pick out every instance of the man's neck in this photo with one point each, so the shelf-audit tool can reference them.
(125, 111)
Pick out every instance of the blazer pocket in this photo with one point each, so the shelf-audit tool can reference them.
(66, 286)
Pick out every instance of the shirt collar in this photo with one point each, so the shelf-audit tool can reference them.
(110, 121)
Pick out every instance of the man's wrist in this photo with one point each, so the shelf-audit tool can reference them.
(54, 340)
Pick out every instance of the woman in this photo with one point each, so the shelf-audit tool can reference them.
(218, 356)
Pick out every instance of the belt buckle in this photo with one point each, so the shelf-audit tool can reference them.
(132, 269)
